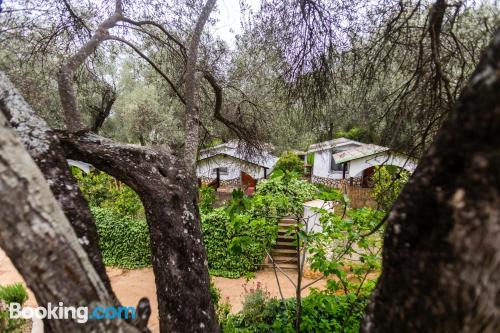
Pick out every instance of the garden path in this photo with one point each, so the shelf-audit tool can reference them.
(131, 285)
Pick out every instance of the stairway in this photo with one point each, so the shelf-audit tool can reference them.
(284, 252)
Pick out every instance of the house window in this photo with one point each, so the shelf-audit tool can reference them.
(334, 167)
(222, 171)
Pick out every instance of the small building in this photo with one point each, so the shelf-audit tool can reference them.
(344, 160)
(233, 164)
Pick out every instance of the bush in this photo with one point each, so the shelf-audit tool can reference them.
(356, 133)
(320, 313)
(289, 161)
(222, 308)
(282, 194)
(124, 241)
(102, 190)
(207, 199)
(389, 181)
(13, 293)
(220, 233)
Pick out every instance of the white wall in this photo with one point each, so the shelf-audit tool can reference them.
(322, 158)
(356, 167)
(312, 216)
(234, 166)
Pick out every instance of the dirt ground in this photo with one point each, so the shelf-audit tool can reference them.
(131, 285)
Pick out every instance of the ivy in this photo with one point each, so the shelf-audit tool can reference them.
(123, 240)
(235, 246)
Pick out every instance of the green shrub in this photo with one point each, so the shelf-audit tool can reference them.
(282, 194)
(124, 241)
(356, 133)
(207, 199)
(222, 308)
(320, 313)
(220, 233)
(289, 161)
(102, 190)
(13, 293)
(389, 181)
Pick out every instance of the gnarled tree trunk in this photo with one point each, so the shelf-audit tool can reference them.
(168, 189)
(441, 256)
(43, 146)
(41, 243)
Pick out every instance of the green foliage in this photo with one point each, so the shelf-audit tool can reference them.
(207, 199)
(235, 245)
(102, 190)
(222, 308)
(283, 194)
(12, 293)
(389, 181)
(346, 248)
(356, 133)
(124, 241)
(320, 313)
(289, 161)
(238, 236)
(310, 159)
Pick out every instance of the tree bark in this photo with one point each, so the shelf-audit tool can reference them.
(169, 194)
(192, 86)
(41, 243)
(43, 145)
(441, 256)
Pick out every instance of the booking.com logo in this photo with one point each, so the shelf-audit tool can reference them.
(80, 314)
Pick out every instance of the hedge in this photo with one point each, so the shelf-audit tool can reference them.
(124, 241)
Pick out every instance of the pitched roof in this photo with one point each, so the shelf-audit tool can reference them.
(339, 142)
(239, 150)
(358, 152)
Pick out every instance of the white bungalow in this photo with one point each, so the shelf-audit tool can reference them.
(344, 159)
(233, 164)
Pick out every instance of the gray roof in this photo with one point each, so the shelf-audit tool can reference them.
(85, 167)
(241, 151)
(358, 152)
(326, 145)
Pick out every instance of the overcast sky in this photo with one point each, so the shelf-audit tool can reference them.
(229, 17)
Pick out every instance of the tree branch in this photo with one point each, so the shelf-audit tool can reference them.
(67, 71)
(192, 112)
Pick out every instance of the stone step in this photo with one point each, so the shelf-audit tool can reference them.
(284, 260)
(287, 222)
(290, 253)
(284, 245)
(286, 229)
(281, 266)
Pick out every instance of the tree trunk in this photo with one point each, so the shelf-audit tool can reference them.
(43, 145)
(441, 270)
(41, 243)
(168, 190)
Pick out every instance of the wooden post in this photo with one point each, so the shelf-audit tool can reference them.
(218, 178)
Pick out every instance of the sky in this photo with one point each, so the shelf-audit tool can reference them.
(229, 17)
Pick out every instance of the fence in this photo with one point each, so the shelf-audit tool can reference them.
(361, 197)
